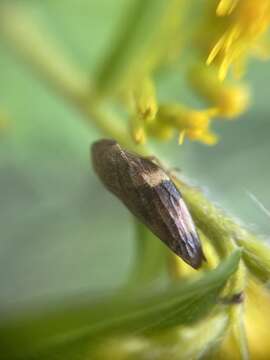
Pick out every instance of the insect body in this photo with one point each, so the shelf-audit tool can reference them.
(148, 192)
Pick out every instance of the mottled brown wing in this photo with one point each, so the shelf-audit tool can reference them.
(138, 199)
(146, 190)
(182, 236)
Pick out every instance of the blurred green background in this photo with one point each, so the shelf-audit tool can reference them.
(61, 232)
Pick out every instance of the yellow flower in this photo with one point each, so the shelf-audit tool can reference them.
(142, 105)
(194, 124)
(137, 130)
(161, 131)
(230, 99)
(256, 320)
(244, 22)
(143, 99)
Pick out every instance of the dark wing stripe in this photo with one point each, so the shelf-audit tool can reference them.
(185, 234)
(169, 214)
(189, 238)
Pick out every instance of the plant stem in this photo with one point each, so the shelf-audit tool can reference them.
(225, 233)
(43, 57)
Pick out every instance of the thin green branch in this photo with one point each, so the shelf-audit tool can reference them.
(226, 234)
(29, 42)
(37, 50)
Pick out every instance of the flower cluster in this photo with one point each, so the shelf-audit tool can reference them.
(231, 30)
(244, 24)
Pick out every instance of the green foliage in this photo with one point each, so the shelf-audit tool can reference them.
(185, 303)
(226, 234)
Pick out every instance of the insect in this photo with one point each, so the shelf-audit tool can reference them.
(149, 193)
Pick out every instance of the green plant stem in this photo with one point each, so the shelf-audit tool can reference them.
(31, 46)
(225, 233)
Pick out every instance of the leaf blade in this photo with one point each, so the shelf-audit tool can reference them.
(183, 304)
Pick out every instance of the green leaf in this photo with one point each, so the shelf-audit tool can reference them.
(191, 342)
(183, 304)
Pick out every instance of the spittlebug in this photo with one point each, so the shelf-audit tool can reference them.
(149, 193)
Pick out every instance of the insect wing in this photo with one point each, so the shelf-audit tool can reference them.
(182, 236)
